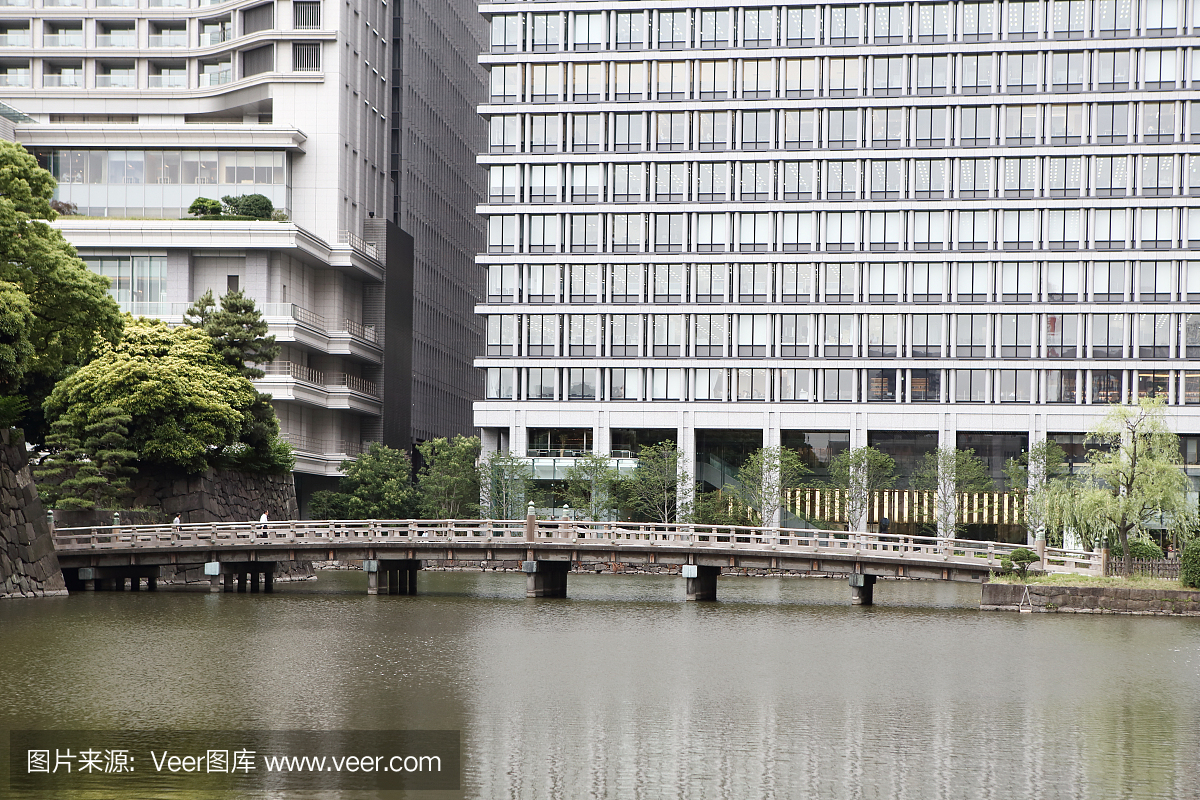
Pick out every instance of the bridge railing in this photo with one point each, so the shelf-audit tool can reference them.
(580, 533)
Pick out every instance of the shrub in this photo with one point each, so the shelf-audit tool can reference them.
(258, 206)
(1019, 560)
(1138, 548)
(204, 206)
(1189, 565)
(64, 208)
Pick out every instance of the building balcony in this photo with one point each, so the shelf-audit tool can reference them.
(554, 468)
(215, 37)
(18, 80)
(168, 39)
(63, 39)
(209, 79)
(295, 382)
(14, 39)
(167, 81)
(115, 81)
(290, 322)
(63, 81)
(128, 39)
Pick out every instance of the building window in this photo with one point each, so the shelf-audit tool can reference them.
(1018, 281)
(582, 383)
(506, 28)
(839, 335)
(583, 335)
(887, 231)
(1108, 336)
(1070, 19)
(799, 183)
(713, 183)
(1016, 336)
(972, 336)
(794, 339)
(542, 334)
(672, 131)
(1022, 72)
(1062, 282)
(1015, 385)
(889, 76)
(1154, 281)
(799, 77)
(711, 384)
(714, 29)
(540, 383)
(629, 233)
(666, 384)
(932, 75)
(506, 84)
(841, 232)
(501, 334)
(1157, 228)
(1020, 177)
(714, 130)
(839, 283)
(839, 385)
(889, 24)
(754, 335)
(1020, 126)
(587, 133)
(504, 284)
(1108, 282)
(1024, 19)
(970, 385)
(1062, 335)
(624, 384)
(755, 233)
(973, 282)
(625, 335)
(1068, 72)
(668, 334)
(669, 283)
(1110, 229)
(1154, 336)
(630, 30)
(546, 82)
(543, 283)
(589, 31)
(1158, 122)
(544, 183)
(797, 282)
(1064, 177)
(883, 335)
(504, 184)
(926, 385)
(802, 27)
(754, 283)
(627, 133)
(1060, 386)
(1112, 123)
(134, 280)
(1020, 230)
(710, 336)
(887, 127)
(975, 177)
(505, 131)
(843, 128)
(714, 80)
(1153, 384)
(794, 384)
(258, 60)
(1106, 386)
(758, 79)
(1112, 176)
(933, 22)
(753, 384)
(500, 381)
(976, 124)
(710, 282)
(585, 233)
(758, 180)
(674, 29)
(926, 335)
(544, 32)
(844, 26)
(502, 233)
(630, 82)
(927, 283)
(627, 283)
(844, 75)
(1063, 229)
(544, 233)
(974, 231)
(1158, 176)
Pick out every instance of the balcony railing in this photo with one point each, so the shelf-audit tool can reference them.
(554, 468)
(359, 330)
(168, 81)
(168, 3)
(63, 39)
(153, 309)
(14, 39)
(216, 78)
(63, 3)
(358, 243)
(116, 40)
(115, 81)
(20, 79)
(313, 445)
(168, 39)
(116, 3)
(62, 80)
(295, 312)
(16, 3)
(215, 37)
(318, 378)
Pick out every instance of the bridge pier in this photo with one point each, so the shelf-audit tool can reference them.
(701, 581)
(546, 578)
(113, 578)
(862, 590)
(392, 575)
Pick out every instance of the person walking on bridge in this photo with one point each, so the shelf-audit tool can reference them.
(262, 521)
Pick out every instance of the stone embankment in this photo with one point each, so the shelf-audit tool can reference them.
(28, 564)
(1090, 600)
(212, 496)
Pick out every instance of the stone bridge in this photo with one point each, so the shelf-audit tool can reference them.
(392, 551)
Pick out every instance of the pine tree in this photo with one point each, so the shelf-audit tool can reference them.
(238, 330)
(57, 471)
(108, 450)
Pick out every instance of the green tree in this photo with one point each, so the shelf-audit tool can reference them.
(53, 309)
(241, 338)
(718, 508)
(948, 472)
(57, 469)
(249, 205)
(204, 207)
(376, 485)
(1019, 560)
(860, 473)
(186, 406)
(1139, 467)
(506, 481)
(1189, 565)
(592, 486)
(653, 488)
(106, 443)
(1038, 472)
(448, 481)
(763, 480)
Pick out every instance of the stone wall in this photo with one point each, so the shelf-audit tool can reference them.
(28, 564)
(1090, 599)
(212, 496)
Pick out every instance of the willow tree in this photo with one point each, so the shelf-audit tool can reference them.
(1138, 466)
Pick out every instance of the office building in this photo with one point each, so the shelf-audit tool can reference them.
(826, 225)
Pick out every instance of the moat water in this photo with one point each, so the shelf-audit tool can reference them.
(779, 690)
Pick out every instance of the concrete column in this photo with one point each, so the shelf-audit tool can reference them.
(412, 578)
(546, 578)
(151, 584)
(241, 582)
(269, 579)
(372, 583)
(701, 581)
(89, 586)
(254, 578)
(214, 583)
(862, 590)
(227, 581)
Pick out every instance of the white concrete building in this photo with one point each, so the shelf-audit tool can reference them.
(141, 106)
(827, 225)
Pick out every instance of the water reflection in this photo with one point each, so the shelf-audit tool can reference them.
(780, 690)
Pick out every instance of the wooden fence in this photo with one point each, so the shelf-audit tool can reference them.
(1167, 568)
(910, 505)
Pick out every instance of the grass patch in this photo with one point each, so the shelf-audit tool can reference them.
(1060, 579)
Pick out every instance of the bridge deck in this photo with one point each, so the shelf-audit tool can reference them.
(585, 543)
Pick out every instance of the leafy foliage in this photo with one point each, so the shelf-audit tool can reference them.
(653, 488)
(861, 472)
(1019, 560)
(1137, 469)
(53, 309)
(258, 206)
(376, 485)
(91, 474)
(184, 403)
(204, 206)
(948, 472)
(1140, 547)
(762, 480)
(507, 480)
(592, 486)
(448, 482)
(718, 508)
(1189, 565)
(1040, 472)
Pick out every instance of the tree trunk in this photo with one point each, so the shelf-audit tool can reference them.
(1127, 560)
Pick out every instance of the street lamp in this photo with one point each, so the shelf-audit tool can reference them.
(567, 512)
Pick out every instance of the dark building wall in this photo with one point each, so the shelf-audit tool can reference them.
(436, 137)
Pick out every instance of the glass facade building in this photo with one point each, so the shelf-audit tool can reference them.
(970, 220)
